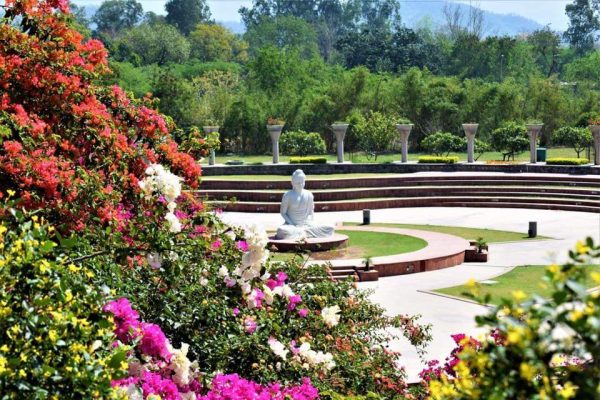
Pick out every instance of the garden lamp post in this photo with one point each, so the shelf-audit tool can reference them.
(533, 131)
(207, 130)
(404, 131)
(275, 132)
(470, 131)
(340, 133)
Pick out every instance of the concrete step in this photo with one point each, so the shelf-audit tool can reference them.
(561, 203)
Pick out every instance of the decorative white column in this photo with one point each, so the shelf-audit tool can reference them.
(404, 131)
(533, 131)
(275, 132)
(340, 134)
(207, 130)
(596, 134)
(470, 131)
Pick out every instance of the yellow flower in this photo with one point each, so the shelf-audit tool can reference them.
(11, 193)
(22, 373)
(515, 335)
(471, 283)
(527, 371)
(2, 365)
(519, 295)
(582, 248)
(576, 315)
(52, 335)
(596, 277)
(68, 295)
(568, 391)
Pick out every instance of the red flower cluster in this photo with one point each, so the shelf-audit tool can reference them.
(74, 148)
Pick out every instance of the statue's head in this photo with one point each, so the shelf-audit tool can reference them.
(298, 179)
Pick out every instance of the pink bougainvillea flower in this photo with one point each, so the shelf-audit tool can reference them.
(250, 325)
(242, 245)
(303, 312)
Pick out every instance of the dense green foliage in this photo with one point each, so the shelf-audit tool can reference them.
(316, 62)
(300, 143)
(442, 143)
(577, 138)
(509, 139)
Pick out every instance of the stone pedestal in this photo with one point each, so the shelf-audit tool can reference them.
(596, 134)
(211, 155)
(275, 132)
(533, 130)
(404, 131)
(340, 134)
(470, 131)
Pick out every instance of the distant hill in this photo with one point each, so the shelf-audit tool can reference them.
(417, 13)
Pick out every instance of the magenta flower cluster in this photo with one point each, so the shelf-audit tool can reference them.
(232, 387)
(162, 373)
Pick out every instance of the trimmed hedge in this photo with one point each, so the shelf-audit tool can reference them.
(308, 160)
(438, 160)
(567, 161)
(300, 143)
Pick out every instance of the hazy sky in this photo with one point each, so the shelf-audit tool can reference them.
(543, 11)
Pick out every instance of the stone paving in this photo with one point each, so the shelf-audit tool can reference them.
(409, 294)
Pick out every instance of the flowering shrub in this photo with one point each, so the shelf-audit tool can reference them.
(544, 348)
(55, 339)
(69, 146)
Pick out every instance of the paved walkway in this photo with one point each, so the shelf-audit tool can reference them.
(405, 294)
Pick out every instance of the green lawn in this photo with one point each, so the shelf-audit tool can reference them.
(489, 235)
(366, 244)
(526, 278)
(393, 157)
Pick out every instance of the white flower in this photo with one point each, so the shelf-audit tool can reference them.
(174, 224)
(223, 272)
(180, 365)
(331, 315)
(278, 348)
(154, 260)
(269, 296)
(203, 281)
(171, 206)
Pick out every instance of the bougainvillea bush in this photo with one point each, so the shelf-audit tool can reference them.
(543, 348)
(131, 245)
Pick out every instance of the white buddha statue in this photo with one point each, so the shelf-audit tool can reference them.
(298, 211)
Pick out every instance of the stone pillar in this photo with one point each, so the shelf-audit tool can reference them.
(340, 134)
(470, 131)
(404, 131)
(207, 130)
(275, 132)
(596, 134)
(533, 131)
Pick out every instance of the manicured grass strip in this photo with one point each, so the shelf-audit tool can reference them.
(527, 278)
(367, 244)
(312, 177)
(360, 157)
(377, 244)
(489, 235)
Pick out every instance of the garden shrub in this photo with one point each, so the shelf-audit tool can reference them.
(577, 138)
(567, 161)
(300, 143)
(376, 132)
(539, 348)
(56, 341)
(442, 143)
(438, 160)
(308, 160)
(510, 139)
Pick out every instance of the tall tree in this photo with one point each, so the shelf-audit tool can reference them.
(113, 16)
(286, 32)
(212, 42)
(584, 24)
(546, 48)
(186, 14)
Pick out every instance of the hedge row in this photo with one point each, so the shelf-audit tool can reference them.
(438, 160)
(567, 161)
(308, 160)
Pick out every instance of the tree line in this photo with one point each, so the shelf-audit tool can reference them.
(315, 62)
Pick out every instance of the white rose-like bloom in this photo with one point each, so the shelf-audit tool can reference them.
(223, 272)
(269, 295)
(278, 348)
(174, 224)
(180, 364)
(331, 315)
